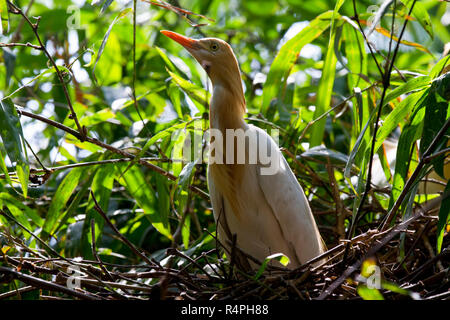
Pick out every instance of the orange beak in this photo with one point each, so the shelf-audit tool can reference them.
(186, 42)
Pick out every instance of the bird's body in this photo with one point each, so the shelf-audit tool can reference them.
(256, 214)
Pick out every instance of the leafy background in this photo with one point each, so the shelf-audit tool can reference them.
(307, 71)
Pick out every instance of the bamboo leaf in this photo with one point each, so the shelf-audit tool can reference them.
(62, 195)
(20, 211)
(410, 133)
(106, 5)
(101, 187)
(13, 140)
(358, 144)
(108, 32)
(421, 14)
(444, 217)
(193, 91)
(135, 183)
(326, 82)
(281, 258)
(3, 164)
(397, 116)
(287, 56)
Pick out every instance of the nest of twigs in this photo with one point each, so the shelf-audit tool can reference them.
(401, 258)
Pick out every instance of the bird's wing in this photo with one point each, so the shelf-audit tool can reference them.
(288, 201)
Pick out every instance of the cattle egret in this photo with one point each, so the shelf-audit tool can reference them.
(257, 214)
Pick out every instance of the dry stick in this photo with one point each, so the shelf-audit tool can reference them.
(121, 237)
(16, 35)
(441, 256)
(46, 285)
(34, 26)
(16, 292)
(176, 252)
(94, 251)
(349, 271)
(43, 243)
(14, 44)
(391, 233)
(97, 142)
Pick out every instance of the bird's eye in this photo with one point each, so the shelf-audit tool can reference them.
(214, 46)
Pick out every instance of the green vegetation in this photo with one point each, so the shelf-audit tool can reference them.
(96, 103)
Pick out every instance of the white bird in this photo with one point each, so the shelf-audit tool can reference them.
(256, 215)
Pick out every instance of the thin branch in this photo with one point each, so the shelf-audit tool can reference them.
(121, 237)
(34, 27)
(46, 285)
(15, 44)
(426, 158)
(97, 142)
(386, 83)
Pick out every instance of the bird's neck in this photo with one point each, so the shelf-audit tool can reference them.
(227, 107)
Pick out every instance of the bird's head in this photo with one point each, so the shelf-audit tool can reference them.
(215, 56)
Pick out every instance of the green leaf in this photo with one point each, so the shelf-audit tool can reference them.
(287, 56)
(439, 67)
(444, 217)
(62, 195)
(193, 91)
(397, 116)
(74, 204)
(323, 154)
(98, 117)
(115, 50)
(325, 90)
(410, 133)
(13, 140)
(281, 258)
(435, 117)
(186, 231)
(135, 183)
(369, 293)
(358, 143)
(421, 14)
(9, 58)
(106, 5)
(166, 59)
(160, 135)
(186, 175)
(4, 17)
(40, 76)
(3, 164)
(20, 211)
(411, 85)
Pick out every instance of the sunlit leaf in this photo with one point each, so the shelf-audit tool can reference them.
(193, 91)
(369, 293)
(287, 56)
(421, 14)
(326, 82)
(281, 258)
(105, 40)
